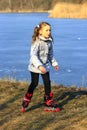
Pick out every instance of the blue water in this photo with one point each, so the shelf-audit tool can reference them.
(70, 47)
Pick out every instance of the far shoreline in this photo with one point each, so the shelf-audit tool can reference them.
(59, 10)
(41, 11)
(24, 11)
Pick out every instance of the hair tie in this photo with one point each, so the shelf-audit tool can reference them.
(38, 26)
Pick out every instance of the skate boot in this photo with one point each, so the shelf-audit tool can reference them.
(26, 101)
(50, 105)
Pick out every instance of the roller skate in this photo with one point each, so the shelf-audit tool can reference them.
(50, 105)
(26, 101)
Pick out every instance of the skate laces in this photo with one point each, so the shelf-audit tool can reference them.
(50, 102)
(27, 97)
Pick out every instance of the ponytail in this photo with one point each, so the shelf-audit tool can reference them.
(36, 33)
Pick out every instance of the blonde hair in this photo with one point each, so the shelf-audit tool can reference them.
(37, 30)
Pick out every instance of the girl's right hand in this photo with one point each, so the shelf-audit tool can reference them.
(42, 69)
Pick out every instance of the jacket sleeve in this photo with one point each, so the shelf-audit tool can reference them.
(34, 55)
(51, 57)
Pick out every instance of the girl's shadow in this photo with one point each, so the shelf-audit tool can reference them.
(66, 97)
(35, 106)
(69, 95)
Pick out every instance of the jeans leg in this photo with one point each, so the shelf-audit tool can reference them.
(47, 84)
(34, 82)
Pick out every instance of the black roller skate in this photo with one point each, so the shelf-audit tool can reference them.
(50, 105)
(26, 101)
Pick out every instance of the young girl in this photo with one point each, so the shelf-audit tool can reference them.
(40, 57)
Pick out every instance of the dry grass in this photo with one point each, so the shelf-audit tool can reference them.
(73, 103)
(67, 10)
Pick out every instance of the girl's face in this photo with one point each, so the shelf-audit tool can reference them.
(45, 31)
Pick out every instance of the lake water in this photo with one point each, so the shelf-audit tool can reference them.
(70, 47)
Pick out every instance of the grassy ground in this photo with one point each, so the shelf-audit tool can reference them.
(73, 103)
(68, 10)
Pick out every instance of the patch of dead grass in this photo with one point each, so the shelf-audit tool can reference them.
(73, 115)
(68, 10)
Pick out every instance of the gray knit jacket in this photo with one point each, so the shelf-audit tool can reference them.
(41, 54)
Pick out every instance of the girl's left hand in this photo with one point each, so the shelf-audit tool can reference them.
(56, 67)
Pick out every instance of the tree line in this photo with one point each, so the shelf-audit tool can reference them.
(32, 5)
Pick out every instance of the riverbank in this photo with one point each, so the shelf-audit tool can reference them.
(24, 11)
(72, 101)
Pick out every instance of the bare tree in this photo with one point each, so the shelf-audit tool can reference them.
(9, 1)
(21, 4)
(31, 3)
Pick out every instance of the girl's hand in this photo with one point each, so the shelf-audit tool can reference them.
(42, 69)
(56, 67)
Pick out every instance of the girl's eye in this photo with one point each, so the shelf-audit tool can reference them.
(48, 30)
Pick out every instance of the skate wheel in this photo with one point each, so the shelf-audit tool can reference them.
(46, 110)
(58, 109)
(23, 110)
(49, 109)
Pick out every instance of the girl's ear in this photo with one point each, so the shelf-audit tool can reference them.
(40, 32)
